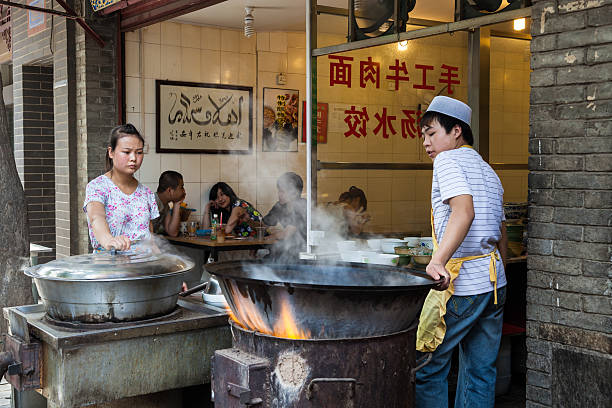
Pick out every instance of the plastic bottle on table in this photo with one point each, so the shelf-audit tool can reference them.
(213, 227)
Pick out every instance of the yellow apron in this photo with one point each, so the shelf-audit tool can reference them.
(432, 327)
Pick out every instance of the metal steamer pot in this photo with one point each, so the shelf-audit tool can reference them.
(111, 287)
(344, 300)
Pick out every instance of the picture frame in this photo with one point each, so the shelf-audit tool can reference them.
(194, 117)
(280, 124)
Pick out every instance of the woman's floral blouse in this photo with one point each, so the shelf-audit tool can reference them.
(243, 228)
(127, 215)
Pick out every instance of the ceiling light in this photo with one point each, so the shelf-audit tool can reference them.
(402, 45)
(519, 24)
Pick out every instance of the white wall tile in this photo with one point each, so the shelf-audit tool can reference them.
(278, 41)
(152, 59)
(210, 67)
(149, 95)
(230, 67)
(134, 119)
(170, 63)
(190, 64)
(247, 168)
(190, 36)
(230, 40)
(152, 34)
(247, 75)
(296, 40)
(193, 197)
(171, 34)
(149, 131)
(132, 58)
(263, 41)
(210, 38)
(190, 167)
(132, 94)
(296, 59)
(170, 161)
(209, 168)
(132, 35)
(272, 62)
(248, 45)
(228, 168)
(150, 169)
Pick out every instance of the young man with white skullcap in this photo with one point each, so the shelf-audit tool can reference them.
(466, 309)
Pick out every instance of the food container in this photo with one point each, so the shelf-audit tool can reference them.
(346, 246)
(427, 242)
(412, 241)
(374, 244)
(388, 245)
(385, 259)
(421, 261)
(103, 287)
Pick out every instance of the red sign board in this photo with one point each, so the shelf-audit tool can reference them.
(322, 111)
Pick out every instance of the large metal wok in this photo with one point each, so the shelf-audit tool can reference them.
(106, 287)
(311, 300)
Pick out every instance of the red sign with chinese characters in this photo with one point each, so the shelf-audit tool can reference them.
(322, 113)
(340, 69)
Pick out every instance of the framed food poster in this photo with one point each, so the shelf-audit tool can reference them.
(203, 118)
(280, 120)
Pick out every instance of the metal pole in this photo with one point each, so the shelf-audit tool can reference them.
(308, 126)
(38, 9)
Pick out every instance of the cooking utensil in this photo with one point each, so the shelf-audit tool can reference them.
(327, 301)
(136, 284)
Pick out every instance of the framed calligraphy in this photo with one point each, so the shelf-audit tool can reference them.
(203, 118)
(280, 120)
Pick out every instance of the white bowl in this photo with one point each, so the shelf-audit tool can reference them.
(346, 246)
(357, 256)
(427, 242)
(412, 241)
(385, 259)
(388, 245)
(374, 244)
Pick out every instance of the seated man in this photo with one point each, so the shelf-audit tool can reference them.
(290, 213)
(170, 189)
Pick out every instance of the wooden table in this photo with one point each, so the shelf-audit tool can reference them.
(214, 247)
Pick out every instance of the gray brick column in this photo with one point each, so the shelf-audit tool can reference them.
(569, 294)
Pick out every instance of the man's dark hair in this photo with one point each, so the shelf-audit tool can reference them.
(448, 123)
(290, 180)
(169, 179)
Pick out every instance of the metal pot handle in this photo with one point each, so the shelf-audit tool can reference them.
(352, 383)
(194, 289)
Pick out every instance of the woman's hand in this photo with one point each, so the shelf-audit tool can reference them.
(437, 271)
(209, 205)
(120, 243)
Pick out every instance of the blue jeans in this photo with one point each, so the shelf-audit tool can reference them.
(474, 323)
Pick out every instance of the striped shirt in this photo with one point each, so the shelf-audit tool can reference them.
(462, 171)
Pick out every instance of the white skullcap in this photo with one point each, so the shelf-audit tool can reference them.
(451, 107)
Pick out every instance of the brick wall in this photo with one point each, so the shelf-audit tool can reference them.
(84, 107)
(34, 154)
(569, 294)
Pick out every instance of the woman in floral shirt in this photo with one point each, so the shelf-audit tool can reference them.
(239, 216)
(119, 209)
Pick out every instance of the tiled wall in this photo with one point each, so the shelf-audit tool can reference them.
(397, 200)
(211, 55)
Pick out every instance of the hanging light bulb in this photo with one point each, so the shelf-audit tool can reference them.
(249, 30)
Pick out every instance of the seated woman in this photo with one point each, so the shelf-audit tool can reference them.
(350, 212)
(290, 213)
(119, 209)
(238, 216)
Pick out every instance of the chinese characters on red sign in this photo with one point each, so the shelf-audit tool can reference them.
(369, 71)
(356, 118)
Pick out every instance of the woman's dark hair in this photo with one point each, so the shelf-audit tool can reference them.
(169, 179)
(117, 133)
(448, 123)
(351, 194)
(227, 190)
(291, 180)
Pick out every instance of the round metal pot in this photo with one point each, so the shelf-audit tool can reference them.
(312, 300)
(104, 287)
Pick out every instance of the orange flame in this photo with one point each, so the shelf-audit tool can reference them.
(248, 317)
